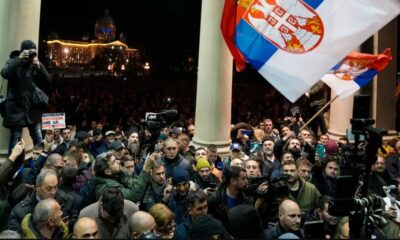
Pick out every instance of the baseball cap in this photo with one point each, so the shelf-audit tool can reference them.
(81, 135)
(116, 146)
(110, 132)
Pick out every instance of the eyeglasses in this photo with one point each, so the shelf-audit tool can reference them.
(169, 228)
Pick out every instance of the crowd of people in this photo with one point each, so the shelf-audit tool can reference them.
(111, 183)
(110, 175)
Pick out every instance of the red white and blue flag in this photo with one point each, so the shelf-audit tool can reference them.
(355, 71)
(293, 43)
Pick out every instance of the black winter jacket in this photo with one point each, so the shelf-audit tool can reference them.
(19, 109)
(67, 202)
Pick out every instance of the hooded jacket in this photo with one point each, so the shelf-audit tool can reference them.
(29, 231)
(26, 206)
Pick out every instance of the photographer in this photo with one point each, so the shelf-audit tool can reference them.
(332, 226)
(25, 75)
(379, 178)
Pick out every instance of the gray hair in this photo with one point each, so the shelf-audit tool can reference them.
(43, 174)
(52, 159)
(9, 234)
(43, 211)
(158, 163)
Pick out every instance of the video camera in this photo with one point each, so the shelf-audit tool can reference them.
(358, 161)
(277, 186)
(154, 122)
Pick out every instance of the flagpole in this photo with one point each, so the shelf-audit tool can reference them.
(315, 115)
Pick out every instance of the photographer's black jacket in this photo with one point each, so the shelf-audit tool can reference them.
(19, 109)
(217, 205)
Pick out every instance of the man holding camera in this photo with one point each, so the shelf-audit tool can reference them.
(25, 74)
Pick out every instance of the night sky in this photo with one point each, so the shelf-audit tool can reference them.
(166, 29)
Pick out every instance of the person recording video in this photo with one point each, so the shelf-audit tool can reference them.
(25, 73)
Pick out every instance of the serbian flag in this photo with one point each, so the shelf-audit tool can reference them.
(294, 43)
(231, 15)
(355, 71)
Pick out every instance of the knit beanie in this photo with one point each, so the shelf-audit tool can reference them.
(202, 163)
(204, 227)
(162, 137)
(331, 147)
(179, 175)
(245, 222)
(27, 44)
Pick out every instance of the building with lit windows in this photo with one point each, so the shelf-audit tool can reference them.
(101, 55)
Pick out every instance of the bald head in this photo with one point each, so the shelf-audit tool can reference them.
(85, 228)
(141, 222)
(289, 215)
(287, 205)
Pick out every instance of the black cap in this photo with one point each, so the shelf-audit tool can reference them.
(27, 44)
(81, 135)
(204, 227)
(245, 222)
(116, 145)
(97, 132)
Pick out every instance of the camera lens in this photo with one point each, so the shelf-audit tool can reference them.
(32, 54)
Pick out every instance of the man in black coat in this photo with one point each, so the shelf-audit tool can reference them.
(24, 73)
(46, 188)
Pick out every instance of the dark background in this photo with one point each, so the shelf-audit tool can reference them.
(168, 31)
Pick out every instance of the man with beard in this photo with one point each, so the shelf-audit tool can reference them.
(294, 147)
(196, 206)
(98, 146)
(133, 144)
(229, 194)
(66, 138)
(305, 169)
(111, 214)
(324, 178)
(155, 191)
(190, 130)
(175, 197)
(289, 221)
(290, 143)
(204, 177)
(300, 191)
(379, 177)
(109, 174)
(269, 162)
(118, 149)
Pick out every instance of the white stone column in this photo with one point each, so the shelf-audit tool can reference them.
(19, 20)
(214, 82)
(384, 85)
(339, 118)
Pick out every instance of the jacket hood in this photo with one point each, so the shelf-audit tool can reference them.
(29, 233)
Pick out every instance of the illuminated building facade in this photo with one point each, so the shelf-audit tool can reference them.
(103, 54)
